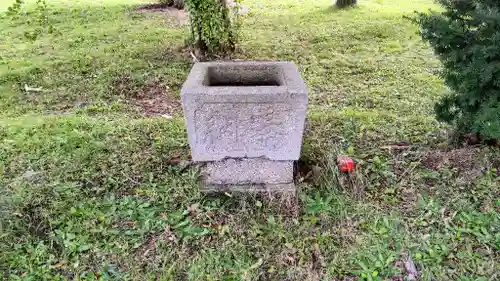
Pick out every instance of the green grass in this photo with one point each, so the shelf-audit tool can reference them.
(93, 189)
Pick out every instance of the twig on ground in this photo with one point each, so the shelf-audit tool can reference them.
(195, 59)
(32, 89)
(411, 270)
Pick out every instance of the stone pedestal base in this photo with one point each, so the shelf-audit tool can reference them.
(248, 174)
(288, 188)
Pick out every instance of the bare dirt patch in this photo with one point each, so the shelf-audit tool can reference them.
(151, 99)
(149, 251)
(152, 7)
(155, 100)
(176, 16)
(496, 165)
(464, 160)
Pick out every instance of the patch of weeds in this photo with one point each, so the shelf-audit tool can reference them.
(377, 261)
(462, 237)
(29, 259)
(71, 76)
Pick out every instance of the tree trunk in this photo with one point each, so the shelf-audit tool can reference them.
(227, 22)
(346, 3)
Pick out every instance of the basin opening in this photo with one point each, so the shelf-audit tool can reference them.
(243, 76)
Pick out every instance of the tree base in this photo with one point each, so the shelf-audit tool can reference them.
(345, 3)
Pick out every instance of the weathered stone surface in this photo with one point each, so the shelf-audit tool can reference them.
(261, 130)
(244, 110)
(286, 188)
(248, 171)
